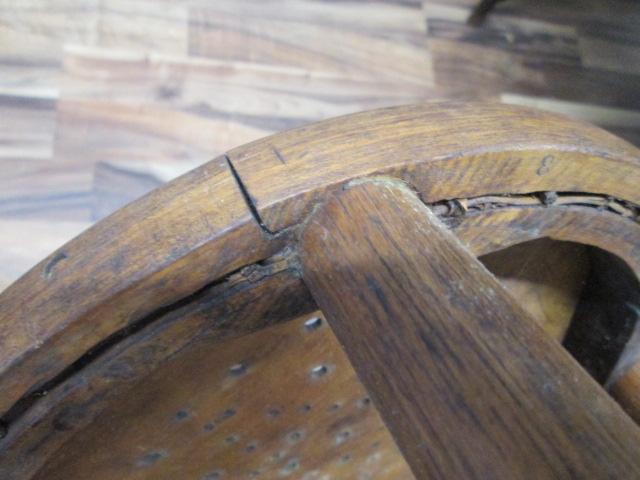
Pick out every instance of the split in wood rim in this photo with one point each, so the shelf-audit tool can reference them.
(498, 167)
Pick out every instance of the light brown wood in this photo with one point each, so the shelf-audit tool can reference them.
(627, 391)
(546, 277)
(216, 415)
(510, 226)
(148, 90)
(122, 297)
(465, 381)
(167, 245)
(443, 150)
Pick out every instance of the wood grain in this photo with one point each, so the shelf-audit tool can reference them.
(137, 260)
(154, 255)
(156, 88)
(146, 249)
(195, 419)
(445, 150)
(466, 382)
(578, 224)
(546, 277)
(249, 300)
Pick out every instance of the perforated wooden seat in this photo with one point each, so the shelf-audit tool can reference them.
(378, 296)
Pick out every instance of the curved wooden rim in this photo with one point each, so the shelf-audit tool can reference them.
(240, 209)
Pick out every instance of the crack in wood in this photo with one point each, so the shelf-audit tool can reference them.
(251, 203)
(253, 273)
(450, 211)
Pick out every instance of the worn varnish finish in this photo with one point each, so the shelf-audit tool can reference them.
(197, 260)
(589, 226)
(254, 298)
(444, 150)
(165, 241)
(467, 384)
(228, 411)
(102, 100)
(147, 255)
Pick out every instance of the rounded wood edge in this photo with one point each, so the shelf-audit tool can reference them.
(444, 150)
(144, 257)
(88, 386)
(238, 228)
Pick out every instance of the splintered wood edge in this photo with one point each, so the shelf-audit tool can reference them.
(550, 151)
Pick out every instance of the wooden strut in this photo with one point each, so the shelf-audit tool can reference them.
(465, 381)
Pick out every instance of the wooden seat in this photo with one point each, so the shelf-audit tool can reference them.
(358, 298)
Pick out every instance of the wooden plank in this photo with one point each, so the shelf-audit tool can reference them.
(466, 382)
(322, 37)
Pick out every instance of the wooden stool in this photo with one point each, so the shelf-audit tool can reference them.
(312, 306)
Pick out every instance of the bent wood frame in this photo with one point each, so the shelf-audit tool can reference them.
(498, 174)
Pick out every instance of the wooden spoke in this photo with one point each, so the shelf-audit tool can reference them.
(465, 381)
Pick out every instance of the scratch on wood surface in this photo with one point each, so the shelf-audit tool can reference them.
(278, 155)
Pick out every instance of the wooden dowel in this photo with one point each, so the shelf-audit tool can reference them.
(469, 386)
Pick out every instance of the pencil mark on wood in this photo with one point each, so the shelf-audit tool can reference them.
(48, 270)
(279, 155)
(545, 165)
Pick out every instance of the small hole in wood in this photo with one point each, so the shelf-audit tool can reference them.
(343, 436)
(319, 371)
(306, 408)
(232, 439)
(251, 447)
(237, 370)
(228, 413)
(215, 475)
(336, 406)
(291, 466)
(151, 458)
(181, 414)
(209, 426)
(47, 273)
(364, 402)
(345, 458)
(274, 412)
(295, 437)
(313, 324)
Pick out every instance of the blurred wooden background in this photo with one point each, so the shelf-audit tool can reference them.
(103, 100)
